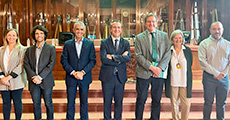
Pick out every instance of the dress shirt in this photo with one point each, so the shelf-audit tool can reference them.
(78, 47)
(178, 76)
(113, 38)
(38, 53)
(214, 56)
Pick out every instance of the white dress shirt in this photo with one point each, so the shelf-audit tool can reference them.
(78, 47)
(116, 39)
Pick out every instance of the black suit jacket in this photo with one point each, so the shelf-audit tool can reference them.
(45, 65)
(108, 65)
(86, 62)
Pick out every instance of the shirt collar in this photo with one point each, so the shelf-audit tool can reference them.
(113, 38)
(183, 47)
(151, 32)
(41, 45)
(80, 41)
(215, 39)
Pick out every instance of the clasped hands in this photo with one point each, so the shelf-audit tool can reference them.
(109, 56)
(36, 80)
(78, 75)
(156, 71)
(6, 80)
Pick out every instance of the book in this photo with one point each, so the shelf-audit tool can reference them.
(163, 73)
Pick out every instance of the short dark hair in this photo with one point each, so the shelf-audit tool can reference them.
(149, 15)
(116, 20)
(39, 27)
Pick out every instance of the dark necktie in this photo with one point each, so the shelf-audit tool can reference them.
(116, 45)
(116, 48)
(154, 47)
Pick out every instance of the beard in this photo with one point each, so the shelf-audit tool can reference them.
(217, 36)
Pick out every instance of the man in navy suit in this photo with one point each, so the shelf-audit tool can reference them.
(39, 61)
(78, 59)
(114, 53)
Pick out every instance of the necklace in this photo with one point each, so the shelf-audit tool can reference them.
(178, 66)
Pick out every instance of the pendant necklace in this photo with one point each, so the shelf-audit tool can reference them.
(178, 66)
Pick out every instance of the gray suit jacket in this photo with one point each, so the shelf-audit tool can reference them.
(143, 53)
(15, 68)
(45, 65)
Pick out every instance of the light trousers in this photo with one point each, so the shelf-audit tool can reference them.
(179, 96)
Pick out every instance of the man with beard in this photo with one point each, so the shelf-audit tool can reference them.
(214, 53)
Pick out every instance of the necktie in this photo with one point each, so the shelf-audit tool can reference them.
(116, 45)
(154, 47)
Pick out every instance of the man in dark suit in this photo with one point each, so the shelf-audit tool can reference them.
(152, 52)
(78, 59)
(114, 53)
(39, 61)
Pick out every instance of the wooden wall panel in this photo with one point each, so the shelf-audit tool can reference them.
(27, 13)
(2, 3)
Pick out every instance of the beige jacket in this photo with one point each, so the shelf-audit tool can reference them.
(15, 68)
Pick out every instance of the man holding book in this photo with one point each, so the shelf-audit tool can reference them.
(152, 52)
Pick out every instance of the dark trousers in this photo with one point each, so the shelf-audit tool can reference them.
(36, 93)
(142, 87)
(7, 96)
(71, 96)
(213, 87)
(113, 88)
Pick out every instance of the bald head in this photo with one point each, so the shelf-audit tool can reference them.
(216, 30)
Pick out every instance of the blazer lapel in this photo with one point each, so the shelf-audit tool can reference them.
(120, 46)
(74, 48)
(13, 57)
(83, 47)
(33, 55)
(110, 41)
(146, 40)
(2, 57)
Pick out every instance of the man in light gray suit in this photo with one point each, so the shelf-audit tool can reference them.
(152, 52)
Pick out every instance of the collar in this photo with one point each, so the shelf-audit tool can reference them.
(183, 47)
(113, 38)
(41, 45)
(211, 38)
(152, 32)
(80, 41)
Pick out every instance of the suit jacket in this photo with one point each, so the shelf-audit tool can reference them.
(108, 65)
(15, 68)
(143, 53)
(86, 62)
(45, 65)
(188, 57)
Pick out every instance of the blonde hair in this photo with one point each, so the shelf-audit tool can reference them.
(5, 42)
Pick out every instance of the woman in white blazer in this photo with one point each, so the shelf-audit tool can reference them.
(12, 73)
